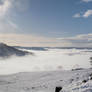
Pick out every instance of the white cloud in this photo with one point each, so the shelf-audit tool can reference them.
(8, 8)
(86, 1)
(87, 13)
(77, 15)
(4, 7)
(84, 40)
(6, 11)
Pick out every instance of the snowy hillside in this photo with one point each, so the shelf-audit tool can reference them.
(70, 81)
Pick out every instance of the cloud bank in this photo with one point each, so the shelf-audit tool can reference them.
(83, 40)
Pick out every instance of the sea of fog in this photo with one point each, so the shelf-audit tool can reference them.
(53, 59)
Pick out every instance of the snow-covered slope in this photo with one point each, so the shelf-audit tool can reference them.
(71, 81)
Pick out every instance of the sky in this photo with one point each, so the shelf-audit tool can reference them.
(54, 23)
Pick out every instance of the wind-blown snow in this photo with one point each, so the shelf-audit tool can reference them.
(53, 59)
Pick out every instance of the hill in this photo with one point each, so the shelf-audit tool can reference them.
(7, 51)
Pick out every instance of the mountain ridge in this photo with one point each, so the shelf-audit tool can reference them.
(7, 51)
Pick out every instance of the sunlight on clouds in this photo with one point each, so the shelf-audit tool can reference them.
(87, 13)
(6, 24)
(7, 7)
(4, 7)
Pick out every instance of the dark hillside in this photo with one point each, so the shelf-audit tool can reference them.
(6, 51)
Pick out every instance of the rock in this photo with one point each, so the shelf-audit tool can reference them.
(90, 75)
(84, 81)
(58, 89)
(90, 78)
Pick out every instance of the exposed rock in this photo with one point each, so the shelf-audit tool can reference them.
(84, 81)
(58, 89)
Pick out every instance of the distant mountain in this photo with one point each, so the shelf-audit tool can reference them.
(6, 51)
(33, 48)
(47, 48)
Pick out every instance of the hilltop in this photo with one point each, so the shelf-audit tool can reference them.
(6, 51)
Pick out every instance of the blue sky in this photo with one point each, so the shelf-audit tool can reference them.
(54, 18)
(53, 21)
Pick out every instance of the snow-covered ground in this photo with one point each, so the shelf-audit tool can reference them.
(70, 81)
(53, 59)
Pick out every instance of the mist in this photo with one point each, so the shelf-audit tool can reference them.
(51, 60)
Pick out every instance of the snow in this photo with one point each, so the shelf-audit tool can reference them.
(71, 81)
